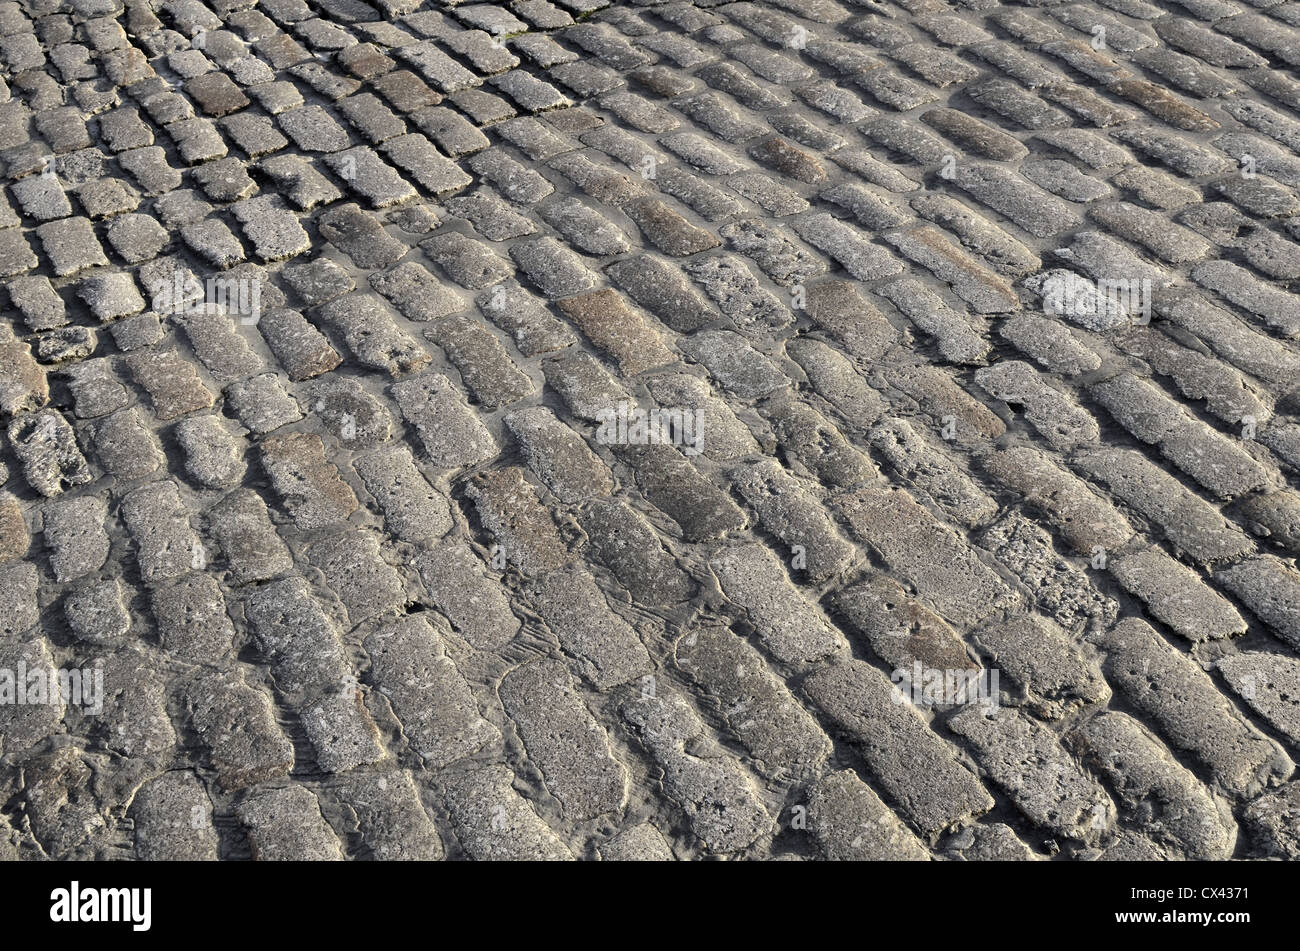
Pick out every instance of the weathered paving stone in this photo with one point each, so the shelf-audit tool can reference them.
(371, 177)
(47, 448)
(485, 368)
(296, 636)
(191, 618)
(197, 140)
(1271, 821)
(1174, 595)
(850, 823)
(172, 815)
(1029, 763)
(949, 405)
(213, 455)
(28, 724)
(559, 456)
(1267, 682)
(1274, 515)
(110, 296)
(18, 609)
(493, 822)
(1191, 524)
(303, 351)
(640, 843)
(1147, 782)
(251, 549)
(286, 825)
(926, 553)
(376, 340)
(313, 129)
(848, 246)
(790, 628)
(413, 509)
(96, 612)
(1188, 711)
(586, 387)
(491, 217)
(1169, 242)
(356, 572)
(601, 182)
(299, 181)
(341, 732)
(360, 236)
(509, 508)
(272, 228)
(393, 822)
(618, 330)
(901, 631)
(1200, 451)
(837, 381)
(452, 436)
(1271, 589)
(909, 454)
(41, 306)
(174, 387)
(409, 665)
(770, 195)
(1052, 413)
(1086, 521)
(993, 137)
(555, 270)
(16, 255)
(71, 245)
(624, 542)
(564, 740)
(960, 339)
(727, 437)
(929, 785)
(469, 263)
(126, 447)
(718, 799)
(1033, 209)
(1052, 676)
(41, 197)
(434, 172)
(770, 723)
(735, 290)
(532, 327)
(166, 546)
(583, 227)
(475, 604)
(236, 723)
(814, 447)
(791, 513)
(734, 363)
(309, 486)
(1230, 338)
(1277, 308)
(662, 290)
(449, 131)
(74, 530)
(606, 648)
(23, 386)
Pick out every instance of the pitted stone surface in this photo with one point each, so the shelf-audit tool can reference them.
(539, 429)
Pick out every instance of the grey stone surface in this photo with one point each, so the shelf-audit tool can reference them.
(319, 316)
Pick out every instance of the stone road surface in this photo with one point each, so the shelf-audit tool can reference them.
(330, 331)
